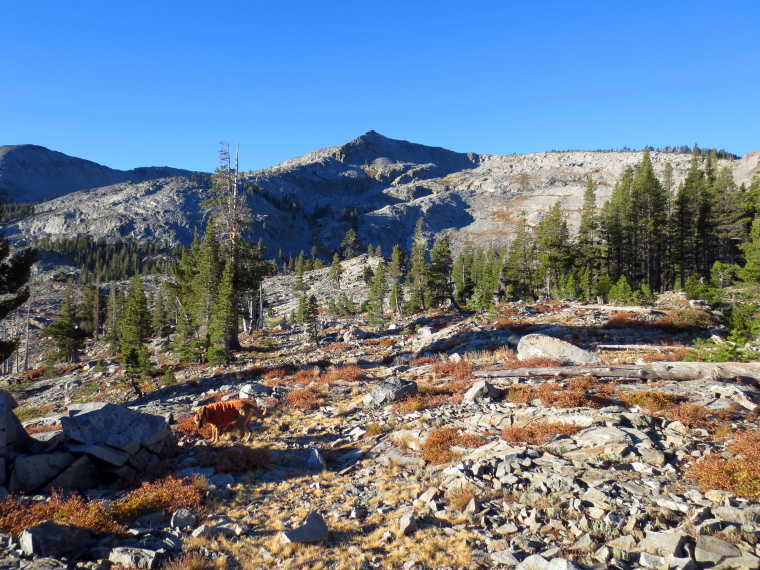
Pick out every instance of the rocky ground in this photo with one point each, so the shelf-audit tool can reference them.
(413, 446)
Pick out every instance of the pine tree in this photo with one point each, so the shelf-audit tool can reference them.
(460, 272)
(751, 270)
(520, 266)
(136, 322)
(440, 283)
(589, 251)
(378, 290)
(68, 338)
(160, 323)
(218, 350)
(552, 240)
(205, 285)
(350, 244)
(418, 273)
(14, 276)
(336, 270)
(311, 316)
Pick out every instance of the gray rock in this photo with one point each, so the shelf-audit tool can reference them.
(390, 391)
(534, 562)
(314, 529)
(254, 389)
(562, 564)
(663, 543)
(122, 428)
(539, 345)
(407, 523)
(505, 557)
(134, 557)
(182, 518)
(222, 480)
(31, 472)
(316, 462)
(13, 436)
(481, 390)
(102, 452)
(79, 476)
(56, 540)
(41, 564)
(710, 549)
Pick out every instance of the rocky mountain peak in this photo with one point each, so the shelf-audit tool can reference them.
(33, 173)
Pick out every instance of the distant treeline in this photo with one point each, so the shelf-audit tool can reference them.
(682, 149)
(101, 261)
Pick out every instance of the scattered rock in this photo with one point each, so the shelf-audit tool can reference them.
(314, 529)
(540, 345)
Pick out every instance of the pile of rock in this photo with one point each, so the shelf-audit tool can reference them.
(99, 443)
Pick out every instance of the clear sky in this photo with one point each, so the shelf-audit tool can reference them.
(161, 82)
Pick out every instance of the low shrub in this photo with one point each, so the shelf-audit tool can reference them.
(302, 399)
(739, 474)
(437, 447)
(684, 319)
(577, 393)
(188, 561)
(461, 370)
(651, 400)
(349, 373)
(537, 433)
(167, 494)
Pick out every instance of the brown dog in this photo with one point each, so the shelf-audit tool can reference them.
(239, 412)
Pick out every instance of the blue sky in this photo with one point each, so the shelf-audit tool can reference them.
(141, 83)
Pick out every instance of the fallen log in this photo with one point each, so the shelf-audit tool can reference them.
(674, 371)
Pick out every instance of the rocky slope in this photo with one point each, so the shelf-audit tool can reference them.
(353, 481)
(379, 185)
(31, 173)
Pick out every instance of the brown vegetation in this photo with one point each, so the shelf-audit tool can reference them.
(437, 447)
(739, 475)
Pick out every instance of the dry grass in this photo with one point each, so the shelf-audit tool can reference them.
(739, 475)
(509, 361)
(187, 426)
(537, 433)
(437, 447)
(576, 393)
(42, 428)
(422, 360)
(167, 494)
(349, 373)
(302, 399)
(624, 320)
(431, 396)
(238, 459)
(651, 400)
(459, 500)
(188, 561)
(680, 320)
(461, 370)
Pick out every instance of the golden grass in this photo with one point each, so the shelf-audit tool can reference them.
(437, 447)
(576, 393)
(739, 475)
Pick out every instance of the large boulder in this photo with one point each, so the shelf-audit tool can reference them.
(30, 472)
(57, 540)
(390, 391)
(120, 428)
(541, 345)
(13, 436)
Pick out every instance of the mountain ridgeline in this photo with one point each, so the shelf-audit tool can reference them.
(377, 186)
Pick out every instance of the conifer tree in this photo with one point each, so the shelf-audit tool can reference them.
(460, 273)
(205, 285)
(135, 331)
(418, 273)
(553, 247)
(67, 337)
(14, 276)
(751, 270)
(336, 270)
(378, 290)
(440, 285)
(350, 244)
(589, 251)
(520, 266)
(218, 351)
